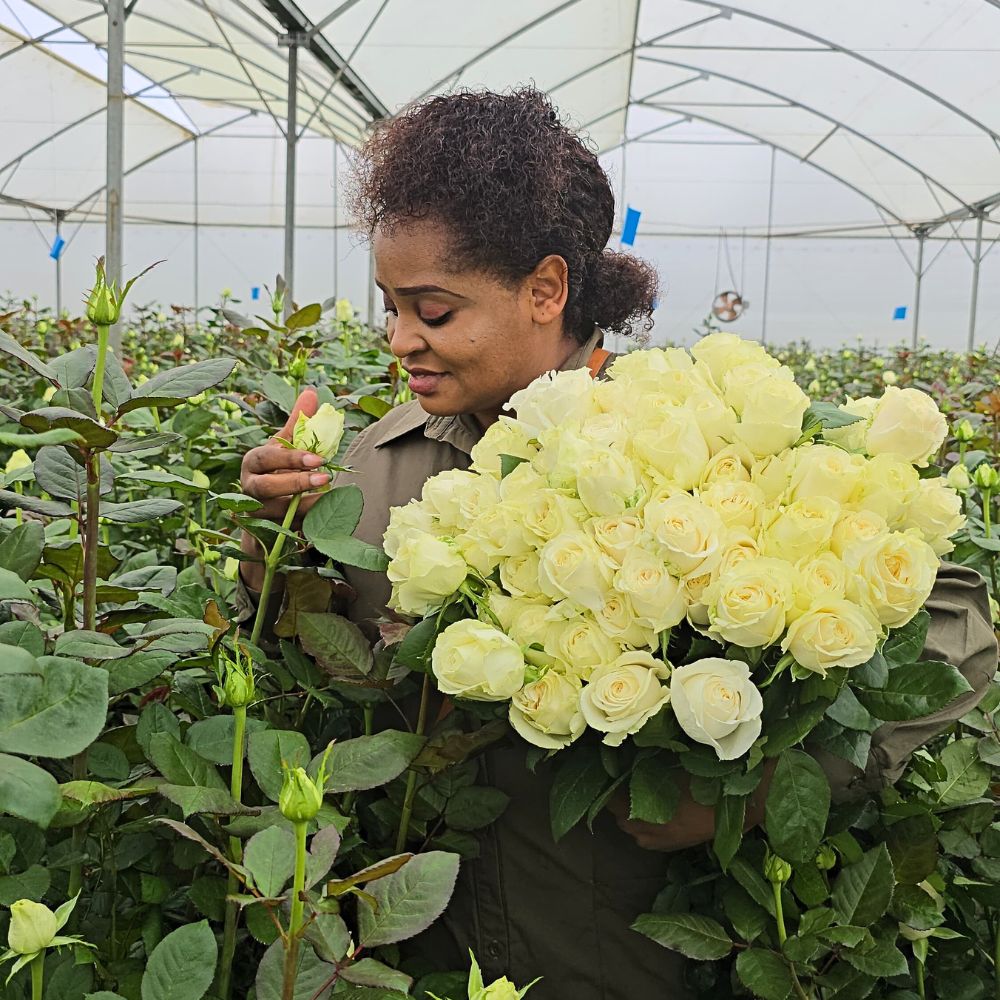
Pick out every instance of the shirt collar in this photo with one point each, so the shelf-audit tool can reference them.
(462, 430)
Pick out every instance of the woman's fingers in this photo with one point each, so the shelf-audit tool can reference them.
(283, 484)
(275, 458)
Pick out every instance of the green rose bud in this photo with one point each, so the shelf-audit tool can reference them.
(299, 800)
(986, 478)
(964, 432)
(959, 478)
(33, 927)
(501, 989)
(19, 460)
(826, 858)
(42, 326)
(238, 686)
(278, 301)
(103, 307)
(344, 311)
(320, 433)
(776, 870)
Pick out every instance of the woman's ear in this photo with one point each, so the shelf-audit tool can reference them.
(548, 289)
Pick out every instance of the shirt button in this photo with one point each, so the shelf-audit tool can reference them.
(493, 950)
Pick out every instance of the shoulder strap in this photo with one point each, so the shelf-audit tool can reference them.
(596, 361)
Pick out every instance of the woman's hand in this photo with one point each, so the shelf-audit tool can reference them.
(273, 474)
(692, 824)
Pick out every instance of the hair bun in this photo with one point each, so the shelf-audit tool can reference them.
(620, 292)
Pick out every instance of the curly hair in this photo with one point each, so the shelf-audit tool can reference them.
(512, 184)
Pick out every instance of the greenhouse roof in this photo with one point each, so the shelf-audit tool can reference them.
(898, 101)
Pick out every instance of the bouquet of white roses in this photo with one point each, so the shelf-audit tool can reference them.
(687, 553)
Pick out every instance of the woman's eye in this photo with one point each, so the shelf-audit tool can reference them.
(436, 320)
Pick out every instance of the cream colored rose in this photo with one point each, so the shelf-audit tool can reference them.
(449, 494)
(424, 572)
(606, 430)
(496, 534)
(773, 475)
(504, 437)
(617, 535)
(519, 575)
(562, 450)
(730, 465)
(737, 503)
(738, 546)
(547, 713)
(606, 482)
(721, 352)
(738, 381)
(747, 606)
(772, 416)
(581, 644)
(854, 527)
(716, 420)
(689, 531)
(936, 512)
(572, 567)
(411, 518)
(546, 513)
(800, 529)
(887, 487)
(821, 470)
(321, 433)
(697, 591)
(893, 576)
(621, 697)
(717, 704)
(529, 621)
(822, 577)
(618, 620)
(854, 437)
(906, 423)
(477, 661)
(674, 447)
(554, 399)
(656, 370)
(832, 633)
(658, 599)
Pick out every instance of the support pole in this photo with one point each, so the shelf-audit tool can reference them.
(336, 230)
(767, 252)
(291, 140)
(115, 134)
(59, 218)
(977, 260)
(921, 240)
(194, 147)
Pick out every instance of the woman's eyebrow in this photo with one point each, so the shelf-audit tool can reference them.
(424, 289)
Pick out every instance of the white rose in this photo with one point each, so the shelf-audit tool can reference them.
(617, 535)
(474, 660)
(411, 518)
(621, 697)
(674, 447)
(689, 531)
(658, 599)
(443, 495)
(737, 382)
(519, 575)
(820, 578)
(772, 416)
(887, 486)
(773, 475)
(668, 370)
(894, 576)
(606, 482)
(801, 529)
(572, 567)
(607, 430)
(553, 399)
(716, 703)
(716, 420)
(747, 605)
(424, 572)
(720, 352)
(547, 513)
(738, 546)
(822, 470)
(547, 713)
(504, 437)
(730, 465)
(936, 512)
(737, 503)
(562, 451)
(854, 437)
(697, 591)
(581, 644)
(832, 633)
(856, 526)
(618, 620)
(906, 423)
(529, 621)
(320, 433)
(495, 534)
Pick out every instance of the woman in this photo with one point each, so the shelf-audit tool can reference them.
(489, 221)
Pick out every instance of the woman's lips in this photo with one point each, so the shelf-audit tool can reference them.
(425, 383)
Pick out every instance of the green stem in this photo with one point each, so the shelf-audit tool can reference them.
(295, 920)
(987, 504)
(37, 976)
(779, 914)
(270, 565)
(996, 959)
(411, 778)
(103, 333)
(18, 514)
(225, 973)
(921, 985)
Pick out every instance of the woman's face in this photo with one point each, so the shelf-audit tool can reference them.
(468, 341)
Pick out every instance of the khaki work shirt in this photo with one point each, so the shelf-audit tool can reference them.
(528, 907)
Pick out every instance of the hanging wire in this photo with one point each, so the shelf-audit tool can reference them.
(718, 262)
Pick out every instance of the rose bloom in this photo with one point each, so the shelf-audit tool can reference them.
(822, 577)
(893, 576)
(424, 573)
(716, 703)
(854, 527)
(657, 598)
(737, 382)
(888, 485)
(689, 531)
(618, 619)
(747, 605)
(411, 518)
(519, 575)
(721, 352)
(546, 513)
(772, 416)
(474, 660)
(505, 437)
(606, 482)
(936, 512)
(825, 471)
(621, 697)
(581, 644)
(547, 713)
(554, 399)
(716, 420)
(773, 476)
(854, 437)
(572, 567)
(736, 503)
(495, 534)
(669, 370)
(618, 534)
(832, 633)
(801, 529)
(674, 446)
(729, 465)
(906, 423)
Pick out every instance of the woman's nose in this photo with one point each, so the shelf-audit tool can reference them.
(404, 336)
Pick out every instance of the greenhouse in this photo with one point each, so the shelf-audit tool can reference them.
(815, 160)
(499, 500)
